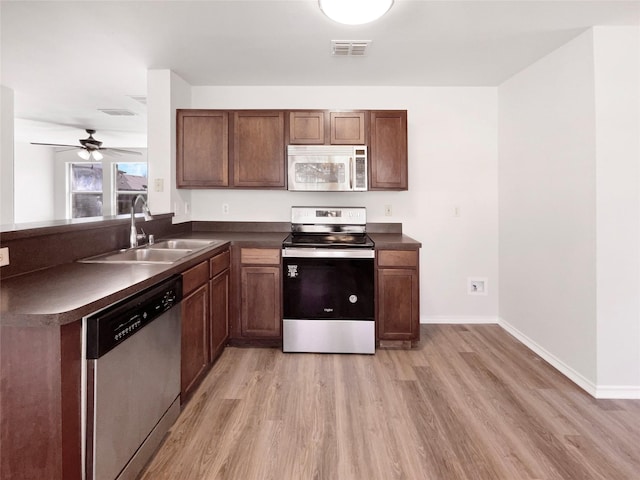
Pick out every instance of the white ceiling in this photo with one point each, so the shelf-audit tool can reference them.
(64, 60)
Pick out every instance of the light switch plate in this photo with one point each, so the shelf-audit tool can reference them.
(4, 256)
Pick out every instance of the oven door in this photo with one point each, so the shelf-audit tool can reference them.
(328, 287)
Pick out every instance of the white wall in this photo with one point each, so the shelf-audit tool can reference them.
(34, 169)
(569, 209)
(6, 156)
(617, 102)
(452, 135)
(547, 206)
(166, 92)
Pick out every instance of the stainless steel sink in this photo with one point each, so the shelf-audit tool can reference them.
(164, 252)
(139, 255)
(182, 244)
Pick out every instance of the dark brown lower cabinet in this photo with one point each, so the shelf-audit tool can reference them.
(260, 312)
(219, 327)
(195, 351)
(257, 293)
(398, 296)
(205, 319)
(40, 402)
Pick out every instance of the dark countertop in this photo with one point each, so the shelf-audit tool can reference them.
(396, 241)
(66, 293)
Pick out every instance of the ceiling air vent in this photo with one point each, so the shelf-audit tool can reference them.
(117, 112)
(139, 98)
(349, 48)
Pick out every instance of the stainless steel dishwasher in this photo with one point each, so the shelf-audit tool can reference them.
(131, 380)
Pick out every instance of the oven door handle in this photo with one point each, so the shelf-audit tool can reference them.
(310, 252)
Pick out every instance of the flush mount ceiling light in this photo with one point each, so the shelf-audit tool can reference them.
(354, 12)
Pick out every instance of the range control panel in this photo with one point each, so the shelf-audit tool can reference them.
(329, 215)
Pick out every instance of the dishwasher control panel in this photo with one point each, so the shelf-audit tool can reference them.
(112, 325)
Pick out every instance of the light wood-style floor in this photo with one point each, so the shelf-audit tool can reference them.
(470, 403)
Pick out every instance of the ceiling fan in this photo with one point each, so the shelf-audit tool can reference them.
(90, 148)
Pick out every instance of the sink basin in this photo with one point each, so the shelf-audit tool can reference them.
(182, 244)
(140, 255)
(164, 252)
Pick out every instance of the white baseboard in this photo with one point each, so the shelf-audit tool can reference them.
(620, 392)
(596, 391)
(458, 319)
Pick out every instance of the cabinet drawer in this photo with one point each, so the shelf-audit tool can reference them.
(218, 263)
(194, 277)
(397, 258)
(260, 256)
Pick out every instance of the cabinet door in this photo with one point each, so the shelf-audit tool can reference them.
(260, 301)
(398, 316)
(195, 351)
(219, 328)
(388, 163)
(258, 149)
(348, 128)
(306, 128)
(202, 155)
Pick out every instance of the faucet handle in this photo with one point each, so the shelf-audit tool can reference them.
(141, 236)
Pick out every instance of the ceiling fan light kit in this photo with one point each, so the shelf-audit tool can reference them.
(94, 155)
(354, 12)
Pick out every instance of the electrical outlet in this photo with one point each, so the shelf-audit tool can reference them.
(225, 209)
(186, 208)
(388, 211)
(4, 256)
(456, 211)
(158, 184)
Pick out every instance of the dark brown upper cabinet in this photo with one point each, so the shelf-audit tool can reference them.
(307, 127)
(221, 149)
(247, 148)
(202, 155)
(348, 128)
(258, 149)
(388, 162)
(323, 127)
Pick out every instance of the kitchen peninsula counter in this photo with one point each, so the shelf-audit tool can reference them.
(65, 293)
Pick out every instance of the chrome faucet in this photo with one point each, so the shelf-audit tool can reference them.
(134, 236)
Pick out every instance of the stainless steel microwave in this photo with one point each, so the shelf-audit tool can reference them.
(334, 168)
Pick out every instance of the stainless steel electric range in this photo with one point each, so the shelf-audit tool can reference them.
(328, 282)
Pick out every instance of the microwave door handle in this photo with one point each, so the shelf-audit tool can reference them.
(350, 173)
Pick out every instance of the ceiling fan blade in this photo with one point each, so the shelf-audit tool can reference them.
(57, 145)
(122, 150)
(110, 152)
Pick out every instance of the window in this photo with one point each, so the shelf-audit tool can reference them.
(130, 181)
(86, 190)
(105, 188)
